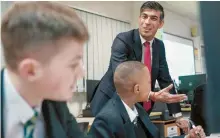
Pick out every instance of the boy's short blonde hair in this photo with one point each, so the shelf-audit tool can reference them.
(28, 26)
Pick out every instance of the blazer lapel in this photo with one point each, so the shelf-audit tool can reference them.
(128, 125)
(155, 59)
(137, 46)
(53, 127)
(151, 128)
(129, 128)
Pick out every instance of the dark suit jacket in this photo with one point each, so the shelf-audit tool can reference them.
(113, 121)
(59, 123)
(127, 47)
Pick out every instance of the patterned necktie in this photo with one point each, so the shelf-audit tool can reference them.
(135, 121)
(147, 62)
(29, 126)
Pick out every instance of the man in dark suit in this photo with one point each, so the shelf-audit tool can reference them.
(140, 45)
(43, 48)
(123, 116)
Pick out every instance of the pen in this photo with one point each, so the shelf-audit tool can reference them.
(193, 126)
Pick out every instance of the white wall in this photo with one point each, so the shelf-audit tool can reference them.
(117, 9)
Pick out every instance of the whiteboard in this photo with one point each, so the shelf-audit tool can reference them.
(180, 56)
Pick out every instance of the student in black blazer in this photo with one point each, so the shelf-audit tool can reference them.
(123, 116)
(131, 46)
(58, 120)
(113, 121)
(43, 48)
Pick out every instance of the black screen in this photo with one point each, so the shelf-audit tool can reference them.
(90, 87)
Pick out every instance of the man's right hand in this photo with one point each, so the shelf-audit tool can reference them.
(165, 96)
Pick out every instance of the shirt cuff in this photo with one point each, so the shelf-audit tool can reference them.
(148, 98)
(177, 115)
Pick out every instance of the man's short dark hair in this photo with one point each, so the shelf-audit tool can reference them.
(153, 5)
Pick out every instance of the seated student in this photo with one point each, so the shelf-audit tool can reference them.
(43, 48)
(122, 116)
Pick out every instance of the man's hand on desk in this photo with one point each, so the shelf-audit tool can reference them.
(165, 96)
(183, 124)
(193, 133)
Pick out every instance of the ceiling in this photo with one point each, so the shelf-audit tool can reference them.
(185, 8)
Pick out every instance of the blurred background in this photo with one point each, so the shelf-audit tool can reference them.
(182, 35)
(105, 19)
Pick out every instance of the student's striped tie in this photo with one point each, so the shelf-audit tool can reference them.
(29, 126)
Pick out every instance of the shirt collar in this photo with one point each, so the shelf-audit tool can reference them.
(131, 113)
(15, 103)
(143, 41)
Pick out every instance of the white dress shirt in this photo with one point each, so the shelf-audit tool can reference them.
(131, 113)
(143, 48)
(17, 112)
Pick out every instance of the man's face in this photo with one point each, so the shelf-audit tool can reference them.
(144, 85)
(59, 77)
(149, 23)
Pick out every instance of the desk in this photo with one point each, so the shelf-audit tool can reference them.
(168, 124)
(91, 119)
(161, 121)
(214, 136)
(85, 119)
(167, 128)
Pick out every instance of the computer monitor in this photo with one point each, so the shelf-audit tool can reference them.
(90, 87)
(190, 82)
(187, 84)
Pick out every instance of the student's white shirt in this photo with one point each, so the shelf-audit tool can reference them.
(131, 113)
(17, 112)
